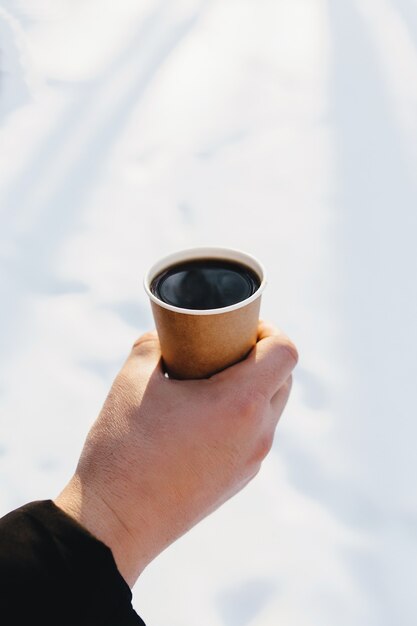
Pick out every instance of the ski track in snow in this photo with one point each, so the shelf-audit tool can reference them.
(283, 127)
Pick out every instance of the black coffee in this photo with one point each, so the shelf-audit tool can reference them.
(205, 284)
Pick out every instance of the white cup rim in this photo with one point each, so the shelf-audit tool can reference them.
(231, 254)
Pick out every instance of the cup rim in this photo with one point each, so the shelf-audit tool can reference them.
(233, 254)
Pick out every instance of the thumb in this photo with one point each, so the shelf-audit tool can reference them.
(147, 349)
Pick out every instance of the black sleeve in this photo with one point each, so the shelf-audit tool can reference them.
(53, 571)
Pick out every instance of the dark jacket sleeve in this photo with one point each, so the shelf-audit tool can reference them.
(53, 571)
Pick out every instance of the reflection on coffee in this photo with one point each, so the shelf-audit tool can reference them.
(205, 284)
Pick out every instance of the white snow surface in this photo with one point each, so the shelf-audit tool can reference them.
(286, 128)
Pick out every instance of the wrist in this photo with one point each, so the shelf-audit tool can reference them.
(93, 512)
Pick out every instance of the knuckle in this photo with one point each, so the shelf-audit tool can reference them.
(287, 385)
(253, 469)
(291, 352)
(145, 340)
(147, 336)
(264, 446)
(245, 405)
(251, 406)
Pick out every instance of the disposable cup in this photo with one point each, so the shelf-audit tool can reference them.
(199, 343)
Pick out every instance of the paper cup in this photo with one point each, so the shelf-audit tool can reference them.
(199, 343)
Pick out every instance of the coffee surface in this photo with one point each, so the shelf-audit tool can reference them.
(205, 284)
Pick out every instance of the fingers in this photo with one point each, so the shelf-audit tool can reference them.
(267, 331)
(268, 365)
(279, 400)
(273, 359)
(266, 368)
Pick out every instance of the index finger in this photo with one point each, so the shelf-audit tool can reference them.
(269, 363)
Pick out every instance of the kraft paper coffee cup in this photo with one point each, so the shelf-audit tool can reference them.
(199, 343)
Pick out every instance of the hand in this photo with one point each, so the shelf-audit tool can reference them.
(165, 453)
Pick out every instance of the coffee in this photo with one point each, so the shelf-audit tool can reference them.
(208, 283)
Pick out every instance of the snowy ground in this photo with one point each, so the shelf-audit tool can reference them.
(287, 128)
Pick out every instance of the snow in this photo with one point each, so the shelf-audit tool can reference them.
(286, 128)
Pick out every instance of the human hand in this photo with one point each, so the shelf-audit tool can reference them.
(165, 453)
